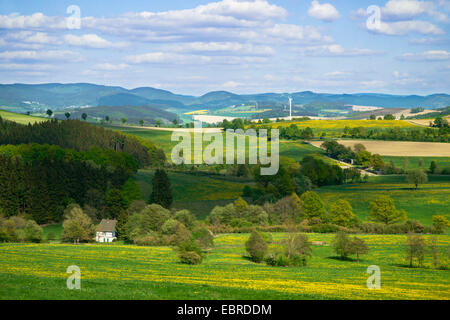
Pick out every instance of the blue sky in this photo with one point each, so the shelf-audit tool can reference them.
(242, 46)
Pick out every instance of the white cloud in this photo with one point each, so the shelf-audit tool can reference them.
(335, 50)
(163, 57)
(326, 12)
(405, 9)
(36, 20)
(431, 55)
(336, 74)
(111, 67)
(427, 41)
(231, 84)
(59, 55)
(405, 27)
(373, 84)
(26, 66)
(223, 48)
(91, 41)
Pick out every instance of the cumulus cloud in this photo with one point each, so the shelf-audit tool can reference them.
(111, 67)
(58, 55)
(404, 27)
(231, 84)
(431, 55)
(335, 50)
(401, 17)
(223, 48)
(91, 41)
(325, 12)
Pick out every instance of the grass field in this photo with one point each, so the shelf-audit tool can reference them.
(38, 271)
(414, 162)
(200, 194)
(431, 198)
(20, 118)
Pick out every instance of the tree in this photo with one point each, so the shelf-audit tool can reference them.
(433, 167)
(440, 223)
(77, 226)
(32, 231)
(364, 158)
(162, 190)
(114, 203)
(313, 206)
(416, 177)
(84, 116)
(298, 247)
(440, 122)
(256, 246)
(358, 247)
(49, 113)
(389, 117)
(141, 122)
(373, 117)
(67, 114)
(359, 147)
(175, 122)
(415, 249)
(121, 227)
(341, 244)
(434, 252)
(158, 123)
(204, 238)
(123, 120)
(383, 210)
(107, 118)
(341, 213)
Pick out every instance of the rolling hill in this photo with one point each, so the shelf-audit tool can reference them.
(26, 97)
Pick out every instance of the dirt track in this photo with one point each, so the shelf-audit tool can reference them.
(399, 148)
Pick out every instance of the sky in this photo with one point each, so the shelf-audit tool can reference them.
(243, 46)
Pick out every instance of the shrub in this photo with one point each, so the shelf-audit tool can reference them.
(189, 252)
(440, 223)
(190, 257)
(256, 247)
(204, 238)
(341, 244)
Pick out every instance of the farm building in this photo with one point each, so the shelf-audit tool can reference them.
(106, 231)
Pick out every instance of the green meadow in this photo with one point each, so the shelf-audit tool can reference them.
(430, 199)
(38, 271)
(20, 118)
(414, 162)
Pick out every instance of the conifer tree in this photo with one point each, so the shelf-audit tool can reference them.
(162, 190)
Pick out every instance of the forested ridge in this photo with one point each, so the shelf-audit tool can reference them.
(77, 135)
(46, 166)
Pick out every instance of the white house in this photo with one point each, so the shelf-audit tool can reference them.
(106, 231)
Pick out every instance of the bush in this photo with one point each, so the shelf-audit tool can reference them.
(189, 252)
(204, 238)
(256, 247)
(190, 257)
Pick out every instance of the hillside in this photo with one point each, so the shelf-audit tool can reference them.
(25, 97)
(133, 114)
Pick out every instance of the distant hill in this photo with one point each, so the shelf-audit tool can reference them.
(132, 113)
(25, 97)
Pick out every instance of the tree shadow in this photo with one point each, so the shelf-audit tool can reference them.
(342, 259)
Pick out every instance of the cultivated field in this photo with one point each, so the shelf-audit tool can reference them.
(38, 271)
(399, 148)
(20, 118)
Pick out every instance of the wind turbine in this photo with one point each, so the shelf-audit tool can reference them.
(290, 108)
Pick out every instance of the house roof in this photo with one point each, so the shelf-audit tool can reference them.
(107, 226)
